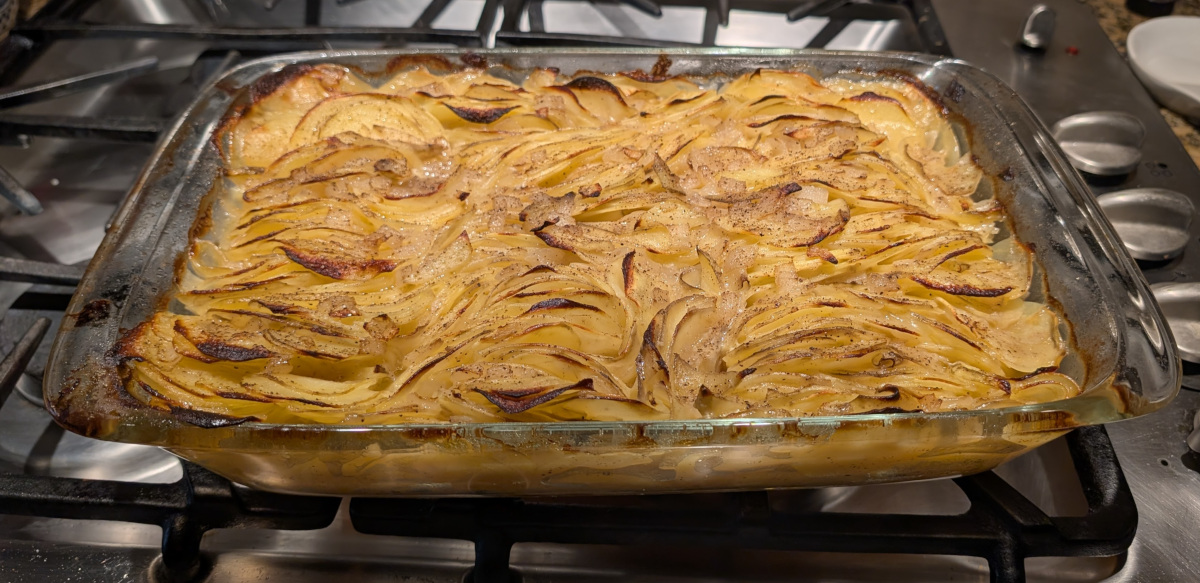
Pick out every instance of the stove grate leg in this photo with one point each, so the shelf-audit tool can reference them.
(181, 561)
(492, 552)
(1006, 565)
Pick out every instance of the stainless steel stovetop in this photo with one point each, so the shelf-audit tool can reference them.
(80, 181)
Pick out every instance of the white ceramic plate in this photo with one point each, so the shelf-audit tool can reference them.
(1165, 53)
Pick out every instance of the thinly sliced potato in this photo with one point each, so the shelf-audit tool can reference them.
(450, 247)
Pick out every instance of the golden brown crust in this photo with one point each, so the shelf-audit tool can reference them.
(444, 246)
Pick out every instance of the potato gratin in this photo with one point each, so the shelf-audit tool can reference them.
(452, 246)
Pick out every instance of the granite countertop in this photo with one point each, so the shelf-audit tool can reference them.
(1117, 21)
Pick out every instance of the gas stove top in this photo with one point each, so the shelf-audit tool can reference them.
(81, 510)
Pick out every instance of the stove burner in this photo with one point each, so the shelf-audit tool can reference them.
(16, 126)
(32, 443)
(185, 509)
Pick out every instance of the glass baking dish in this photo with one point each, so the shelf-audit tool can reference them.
(1123, 354)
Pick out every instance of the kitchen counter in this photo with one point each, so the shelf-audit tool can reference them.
(1116, 20)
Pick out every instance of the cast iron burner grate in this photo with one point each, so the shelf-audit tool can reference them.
(917, 16)
(1001, 525)
(61, 20)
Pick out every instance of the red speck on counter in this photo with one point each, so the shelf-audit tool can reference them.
(1072, 50)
